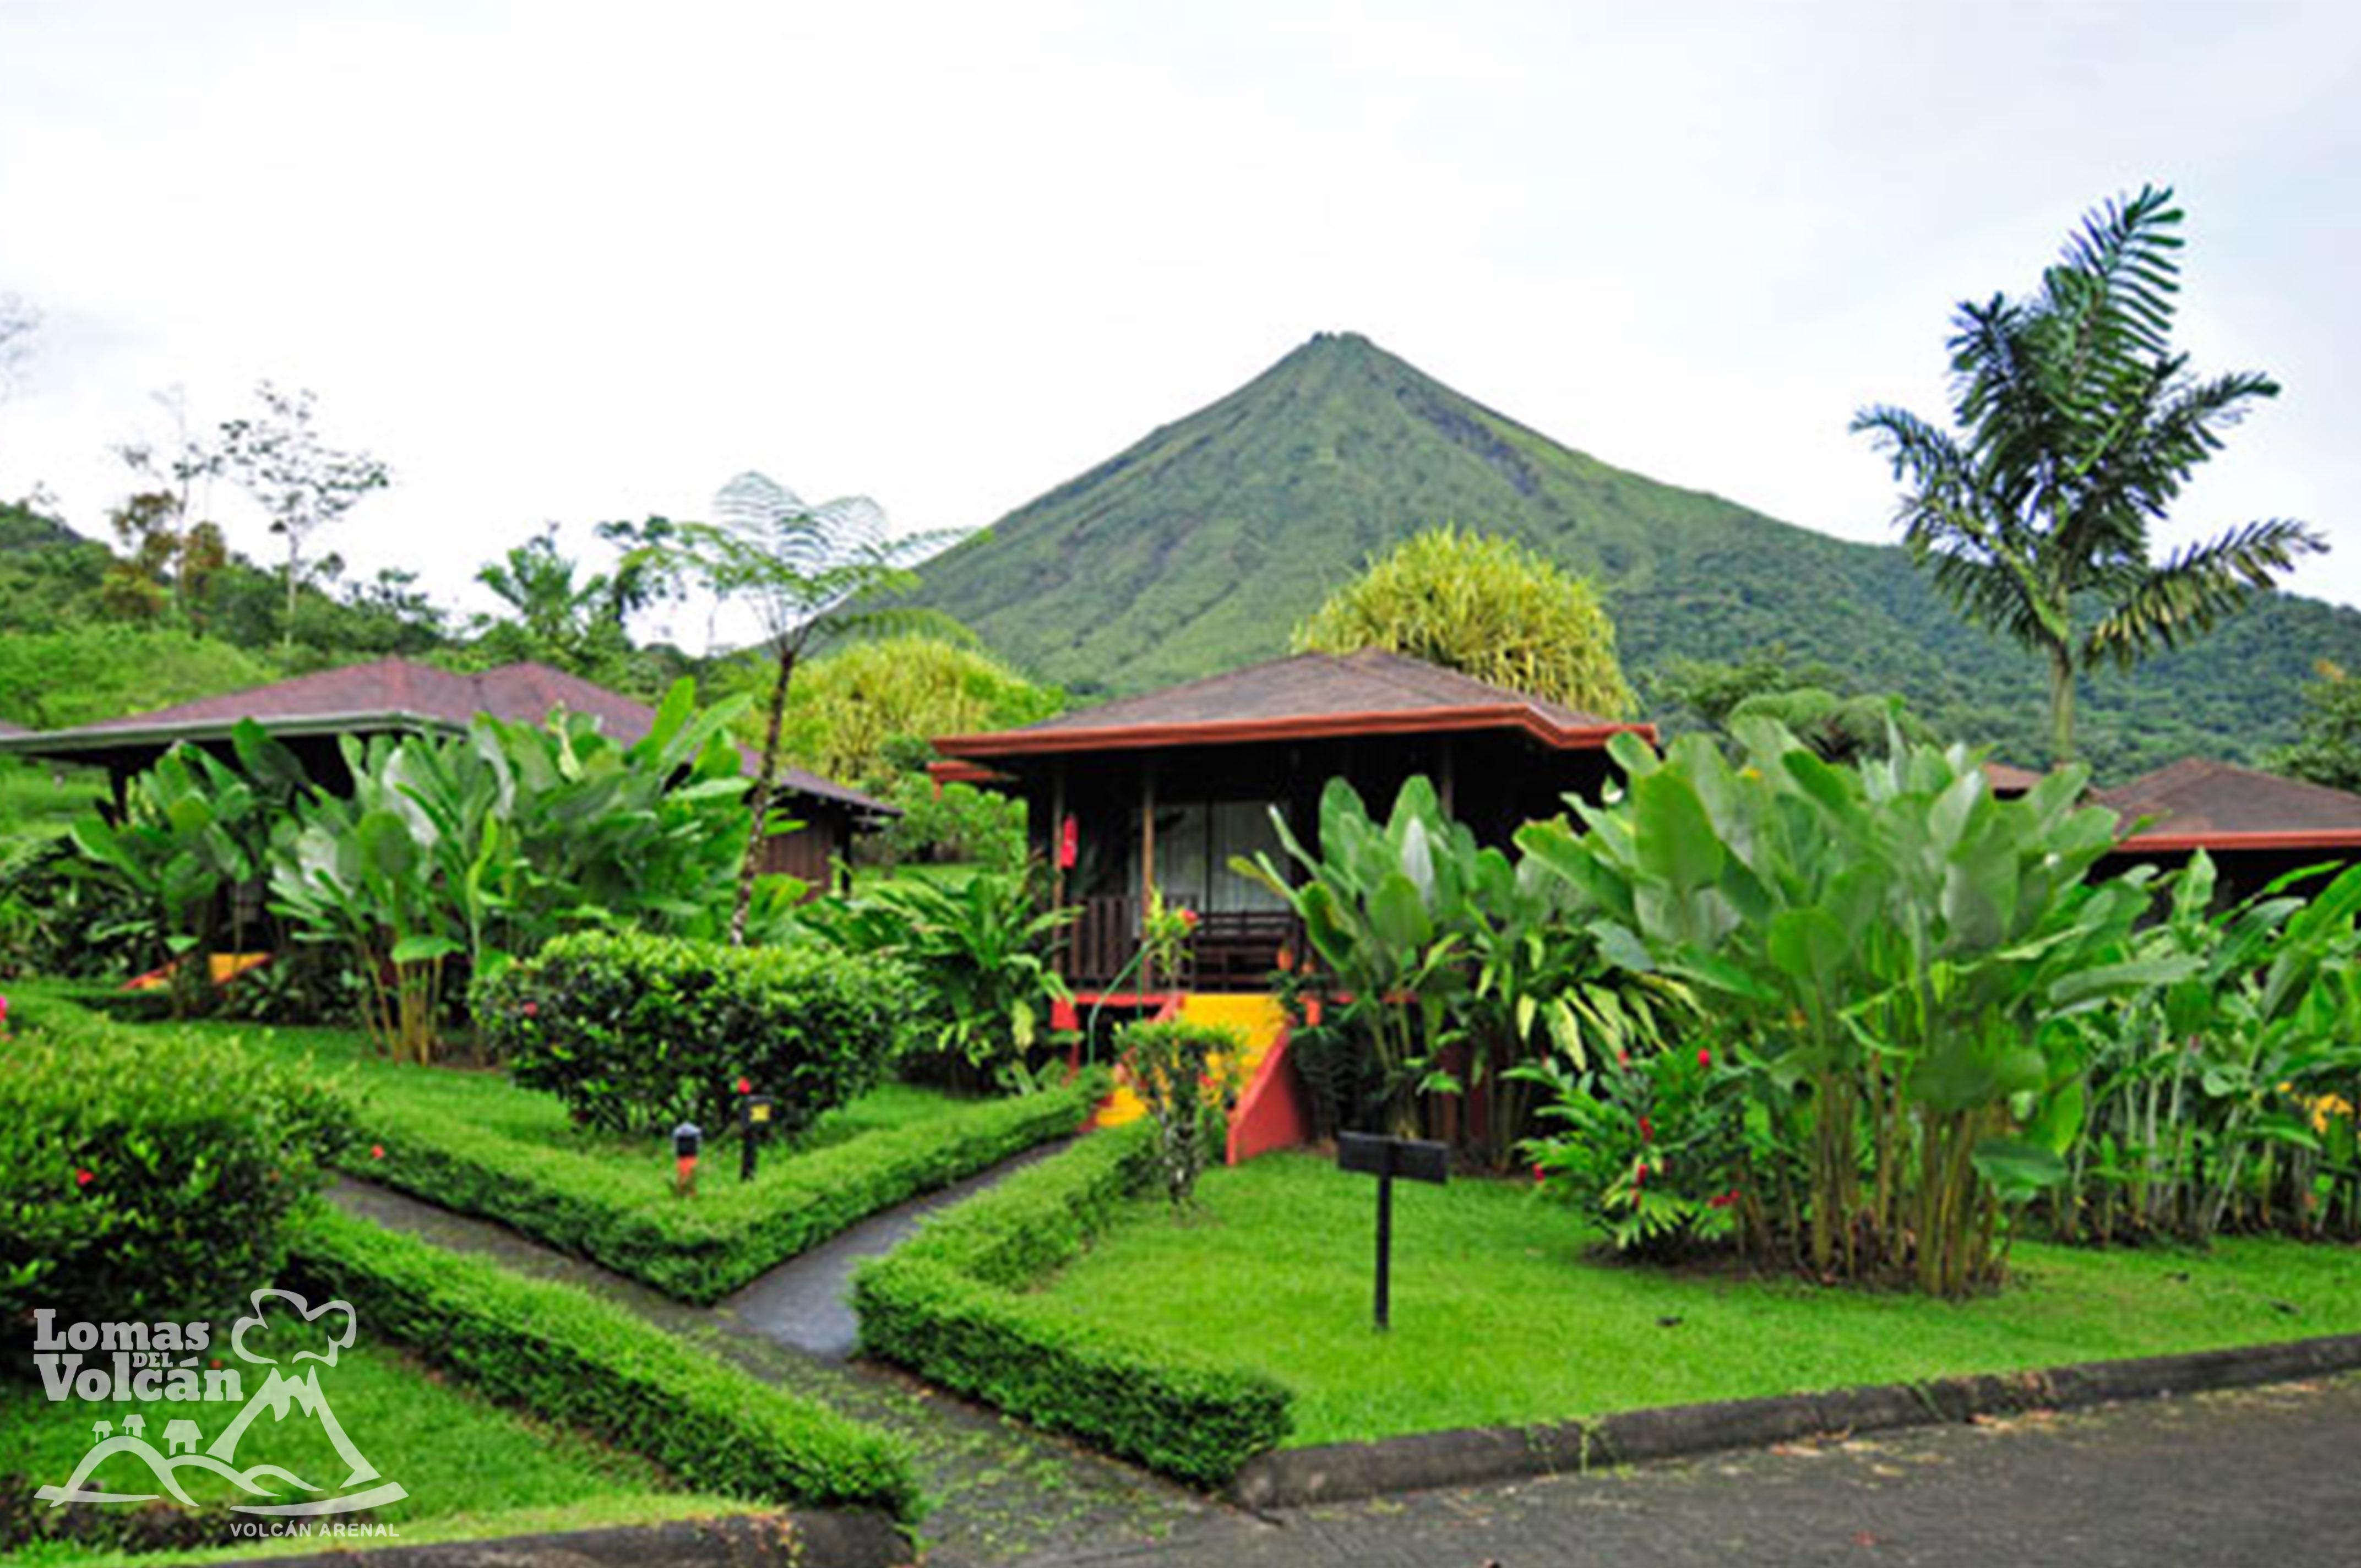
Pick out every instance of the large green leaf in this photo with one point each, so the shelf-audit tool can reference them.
(1676, 841)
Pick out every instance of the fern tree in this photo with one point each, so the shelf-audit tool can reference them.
(800, 566)
(1486, 607)
(2076, 426)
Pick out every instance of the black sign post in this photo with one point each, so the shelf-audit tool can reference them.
(754, 1115)
(1412, 1159)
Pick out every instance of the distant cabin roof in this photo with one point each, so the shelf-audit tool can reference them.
(391, 695)
(1307, 696)
(2007, 778)
(2200, 803)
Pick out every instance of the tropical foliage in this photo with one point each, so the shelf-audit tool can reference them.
(2077, 426)
(2328, 752)
(2222, 1097)
(981, 948)
(863, 712)
(1487, 607)
(1187, 1075)
(1645, 1143)
(444, 856)
(475, 848)
(1442, 965)
(954, 823)
(1889, 950)
(800, 567)
(194, 828)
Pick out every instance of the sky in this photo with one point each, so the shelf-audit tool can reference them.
(561, 263)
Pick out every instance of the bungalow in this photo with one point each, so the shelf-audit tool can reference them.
(309, 713)
(1163, 789)
(2255, 826)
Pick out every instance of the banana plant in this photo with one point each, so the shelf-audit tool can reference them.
(360, 869)
(1388, 908)
(193, 830)
(1887, 943)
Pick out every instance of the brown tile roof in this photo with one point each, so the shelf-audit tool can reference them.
(2007, 778)
(2198, 802)
(393, 694)
(1370, 692)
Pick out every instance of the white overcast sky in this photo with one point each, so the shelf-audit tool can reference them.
(573, 261)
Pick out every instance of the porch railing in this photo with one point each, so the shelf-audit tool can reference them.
(1231, 949)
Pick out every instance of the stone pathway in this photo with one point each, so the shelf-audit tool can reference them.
(807, 1303)
(1003, 1492)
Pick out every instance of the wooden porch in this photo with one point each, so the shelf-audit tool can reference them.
(1230, 950)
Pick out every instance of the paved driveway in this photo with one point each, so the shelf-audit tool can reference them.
(2269, 1478)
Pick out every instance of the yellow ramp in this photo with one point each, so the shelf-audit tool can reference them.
(1259, 1018)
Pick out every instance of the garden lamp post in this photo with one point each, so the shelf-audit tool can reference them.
(685, 1141)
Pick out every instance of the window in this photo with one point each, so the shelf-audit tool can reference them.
(1194, 843)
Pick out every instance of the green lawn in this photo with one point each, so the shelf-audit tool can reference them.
(476, 1144)
(1499, 1317)
(469, 1466)
(530, 1129)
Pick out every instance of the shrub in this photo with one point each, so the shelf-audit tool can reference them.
(1652, 1148)
(635, 1032)
(136, 1182)
(949, 823)
(701, 1252)
(565, 1355)
(60, 916)
(948, 1304)
(1187, 1075)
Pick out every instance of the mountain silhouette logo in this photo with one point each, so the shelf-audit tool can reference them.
(282, 1332)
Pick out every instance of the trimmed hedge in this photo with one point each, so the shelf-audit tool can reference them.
(699, 1252)
(947, 1304)
(636, 1032)
(139, 1182)
(567, 1355)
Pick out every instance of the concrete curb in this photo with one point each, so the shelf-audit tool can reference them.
(817, 1539)
(1338, 1472)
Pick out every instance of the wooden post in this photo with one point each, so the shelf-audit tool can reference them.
(1146, 861)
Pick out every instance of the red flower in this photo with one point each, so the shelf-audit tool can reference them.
(376, 1151)
(1647, 1128)
(1724, 1201)
(1622, 1059)
(1538, 1175)
(532, 1008)
(1639, 1175)
(1189, 918)
(83, 1177)
(1705, 1057)
(746, 1086)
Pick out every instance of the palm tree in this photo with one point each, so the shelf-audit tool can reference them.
(562, 616)
(2077, 427)
(802, 567)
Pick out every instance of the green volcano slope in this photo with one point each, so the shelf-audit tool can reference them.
(1200, 547)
